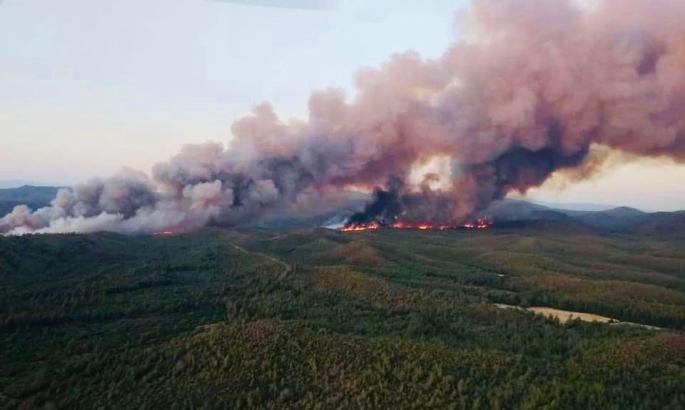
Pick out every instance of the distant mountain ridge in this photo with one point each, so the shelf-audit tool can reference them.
(29, 193)
(33, 196)
(516, 213)
(18, 183)
(573, 206)
(520, 214)
(511, 213)
(618, 220)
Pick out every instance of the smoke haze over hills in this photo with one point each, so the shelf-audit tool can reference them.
(536, 88)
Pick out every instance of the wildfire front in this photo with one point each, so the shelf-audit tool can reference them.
(423, 226)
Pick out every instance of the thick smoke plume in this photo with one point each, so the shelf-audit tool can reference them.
(532, 88)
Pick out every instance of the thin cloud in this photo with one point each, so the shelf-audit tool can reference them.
(318, 5)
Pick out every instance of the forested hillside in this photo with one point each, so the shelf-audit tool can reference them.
(319, 319)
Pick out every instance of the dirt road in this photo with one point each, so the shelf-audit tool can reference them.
(287, 269)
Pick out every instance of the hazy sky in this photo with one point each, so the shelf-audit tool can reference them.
(89, 86)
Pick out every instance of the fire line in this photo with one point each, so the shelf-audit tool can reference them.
(400, 225)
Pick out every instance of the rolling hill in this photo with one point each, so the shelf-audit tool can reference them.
(314, 318)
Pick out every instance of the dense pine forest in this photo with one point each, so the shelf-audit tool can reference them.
(317, 319)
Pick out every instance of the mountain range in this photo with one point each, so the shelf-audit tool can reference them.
(511, 212)
(507, 213)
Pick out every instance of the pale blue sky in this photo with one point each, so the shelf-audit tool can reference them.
(89, 86)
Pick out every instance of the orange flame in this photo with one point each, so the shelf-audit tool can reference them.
(403, 225)
(361, 227)
(479, 224)
(423, 226)
(163, 233)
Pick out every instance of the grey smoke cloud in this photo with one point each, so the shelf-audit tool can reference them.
(535, 88)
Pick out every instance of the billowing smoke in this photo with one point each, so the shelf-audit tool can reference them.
(533, 87)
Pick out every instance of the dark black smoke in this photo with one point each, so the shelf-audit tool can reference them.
(386, 206)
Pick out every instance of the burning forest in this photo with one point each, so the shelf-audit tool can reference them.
(534, 87)
(478, 224)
